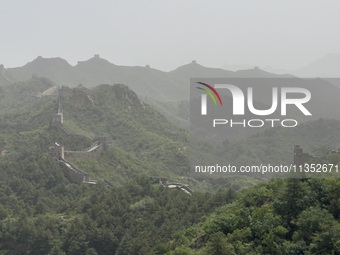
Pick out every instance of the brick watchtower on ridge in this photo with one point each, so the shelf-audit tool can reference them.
(300, 157)
(57, 151)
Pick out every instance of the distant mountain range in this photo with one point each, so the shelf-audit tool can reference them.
(327, 66)
(168, 92)
(145, 81)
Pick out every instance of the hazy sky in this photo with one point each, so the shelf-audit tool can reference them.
(166, 34)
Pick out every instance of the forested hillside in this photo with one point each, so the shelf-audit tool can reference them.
(291, 216)
(43, 212)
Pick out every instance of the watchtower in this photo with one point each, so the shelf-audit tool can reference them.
(106, 141)
(300, 157)
(57, 119)
(57, 151)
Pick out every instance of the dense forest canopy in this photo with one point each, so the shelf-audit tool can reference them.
(43, 212)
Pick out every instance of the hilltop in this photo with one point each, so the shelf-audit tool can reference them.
(137, 131)
(142, 141)
(5, 77)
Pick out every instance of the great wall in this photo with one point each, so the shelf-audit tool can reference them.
(172, 185)
(73, 173)
(301, 157)
(64, 156)
(100, 144)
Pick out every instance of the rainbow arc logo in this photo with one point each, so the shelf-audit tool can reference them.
(213, 94)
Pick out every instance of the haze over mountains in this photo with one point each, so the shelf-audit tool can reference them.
(157, 87)
(5, 77)
(151, 82)
(145, 81)
(39, 201)
(327, 66)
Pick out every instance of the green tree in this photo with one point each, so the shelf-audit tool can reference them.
(218, 245)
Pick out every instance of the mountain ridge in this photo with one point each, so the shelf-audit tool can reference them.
(145, 81)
